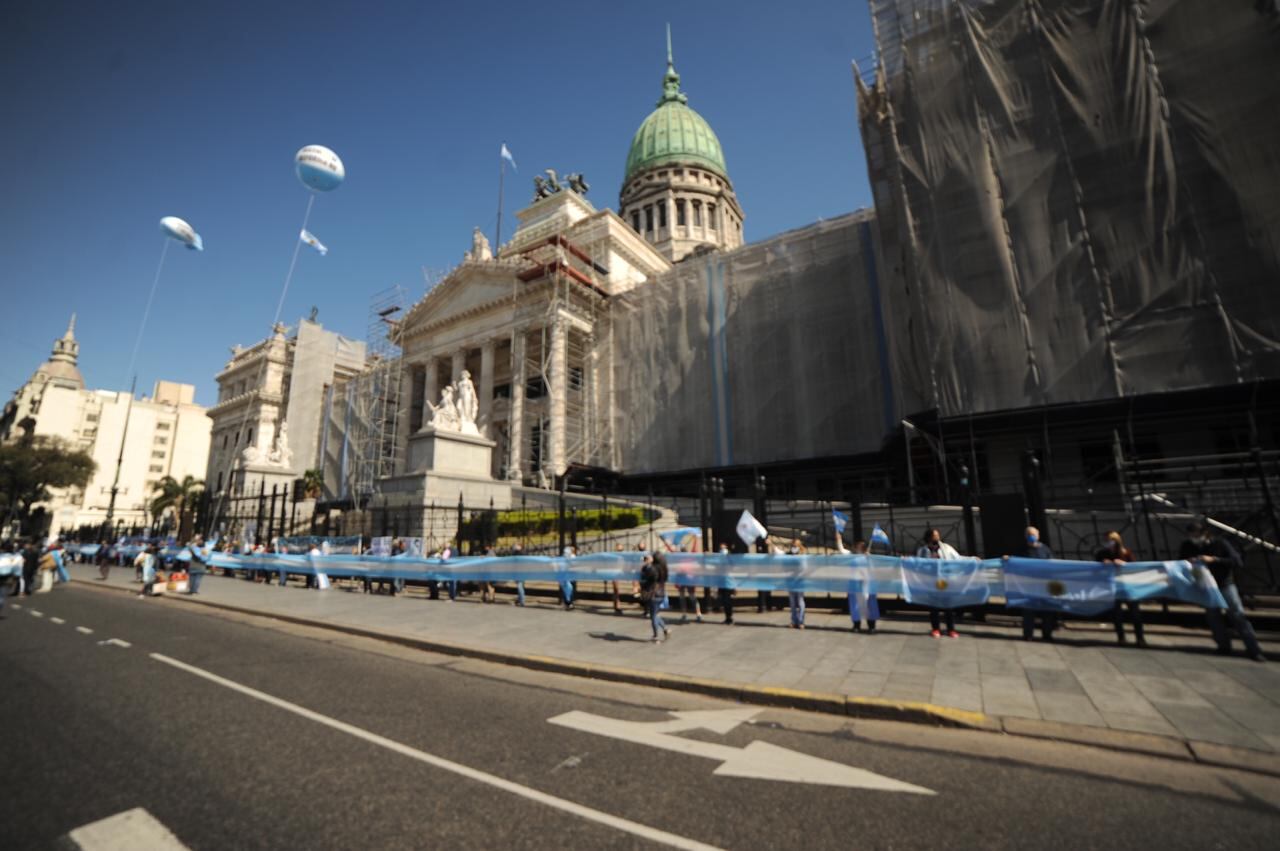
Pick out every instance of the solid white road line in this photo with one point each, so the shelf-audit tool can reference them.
(84, 630)
(625, 825)
(57, 620)
(130, 829)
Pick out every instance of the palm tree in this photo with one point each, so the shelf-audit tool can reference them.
(169, 493)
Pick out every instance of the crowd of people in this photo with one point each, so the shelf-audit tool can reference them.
(43, 567)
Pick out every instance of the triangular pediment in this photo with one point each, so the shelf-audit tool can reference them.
(462, 292)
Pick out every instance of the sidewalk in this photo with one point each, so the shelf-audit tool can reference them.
(1082, 687)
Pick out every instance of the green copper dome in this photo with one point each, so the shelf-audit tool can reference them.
(674, 134)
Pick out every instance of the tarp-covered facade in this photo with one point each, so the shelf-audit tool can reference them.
(771, 351)
(1078, 199)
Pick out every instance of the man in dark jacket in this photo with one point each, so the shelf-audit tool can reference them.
(1222, 560)
(1036, 548)
(30, 564)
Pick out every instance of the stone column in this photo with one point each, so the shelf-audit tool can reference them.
(559, 390)
(459, 364)
(430, 392)
(515, 424)
(403, 414)
(486, 384)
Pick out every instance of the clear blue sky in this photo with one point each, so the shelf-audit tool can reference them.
(116, 114)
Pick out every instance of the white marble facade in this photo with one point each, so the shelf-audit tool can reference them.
(527, 329)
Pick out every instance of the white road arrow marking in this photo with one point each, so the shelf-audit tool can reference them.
(57, 620)
(85, 630)
(134, 828)
(760, 760)
(116, 641)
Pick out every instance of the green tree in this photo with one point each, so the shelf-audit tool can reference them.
(312, 483)
(171, 494)
(30, 466)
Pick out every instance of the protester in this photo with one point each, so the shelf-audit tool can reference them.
(795, 599)
(653, 576)
(147, 564)
(198, 565)
(725, 593)
(517, 550)
(567, 588)
(617, 600)
(688, 594)
(30, 565)
(1114, 552)
(60, 560)
(103, 558)
(935, 547)
(1035, 548)
(863, 601)
(487, 593)
(1203, 548)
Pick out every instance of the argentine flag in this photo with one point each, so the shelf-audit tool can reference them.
(750, 529)
(879, 536)
(1075, 587)
(944, 583)
(1190, 583)
(839, 520)
(310, 239)
(506, 155)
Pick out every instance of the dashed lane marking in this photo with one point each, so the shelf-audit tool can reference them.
(116, 641)
(134, 828)
(35, 614)
(56, 620)
(84, 630)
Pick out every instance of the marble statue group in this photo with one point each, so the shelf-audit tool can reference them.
(459, 407)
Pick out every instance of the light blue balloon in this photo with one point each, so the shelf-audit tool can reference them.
(319, 168)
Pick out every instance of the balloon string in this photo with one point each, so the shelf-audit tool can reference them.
(133, 361)
(297, 246)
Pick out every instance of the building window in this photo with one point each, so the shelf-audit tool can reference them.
(697, 214)
(249, 437)
(156, 468)
(711, 216)
(575, 378)
(161, 441)
(219, 487)
(535, 387)
(635, 220)
(162, 426)
(502, 391)
(662, 215)
(648, 219)
(159, 455)
(91, 418)
(535, 445)
(680, 219)
(225, 439)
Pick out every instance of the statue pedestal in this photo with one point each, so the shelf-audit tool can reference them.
(443, 466)
(265, 476)
(450, 453)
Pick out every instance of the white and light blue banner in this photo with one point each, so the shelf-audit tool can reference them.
(1074, 587)
(1084, 588)
(944, 583)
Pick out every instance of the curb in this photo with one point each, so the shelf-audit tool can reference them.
(865, 708)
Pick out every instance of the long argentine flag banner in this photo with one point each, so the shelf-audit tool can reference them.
(1075, 587)
(1085, 588)
(944, 584)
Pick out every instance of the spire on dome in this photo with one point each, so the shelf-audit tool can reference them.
(71, 329)
(671, 80)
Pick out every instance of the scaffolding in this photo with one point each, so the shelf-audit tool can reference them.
(375, 424)
(578, 301)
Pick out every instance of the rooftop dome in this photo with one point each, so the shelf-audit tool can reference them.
(61, 365)
(673, 133)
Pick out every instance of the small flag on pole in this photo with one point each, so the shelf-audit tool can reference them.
(879, 536)
(506, 155)
(840, 520)
(750, 529)
(310, 239)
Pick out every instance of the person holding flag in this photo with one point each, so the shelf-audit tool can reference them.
(752, 531)
(935, 547)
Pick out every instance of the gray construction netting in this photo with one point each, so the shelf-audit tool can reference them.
(769, 351)
(1078, 199)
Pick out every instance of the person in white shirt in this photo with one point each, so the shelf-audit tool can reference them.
(935, 547)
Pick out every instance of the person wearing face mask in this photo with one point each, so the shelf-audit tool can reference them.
(1203, 549)
(1116, 553)
(1035, 548)
(935, 547)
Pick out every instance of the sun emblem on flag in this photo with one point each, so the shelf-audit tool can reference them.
(1056, 588)
(941, 584)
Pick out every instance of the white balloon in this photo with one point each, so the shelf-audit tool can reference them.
(178, 229)
(319, 168)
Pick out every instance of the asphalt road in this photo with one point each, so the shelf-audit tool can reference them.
(94, 729)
